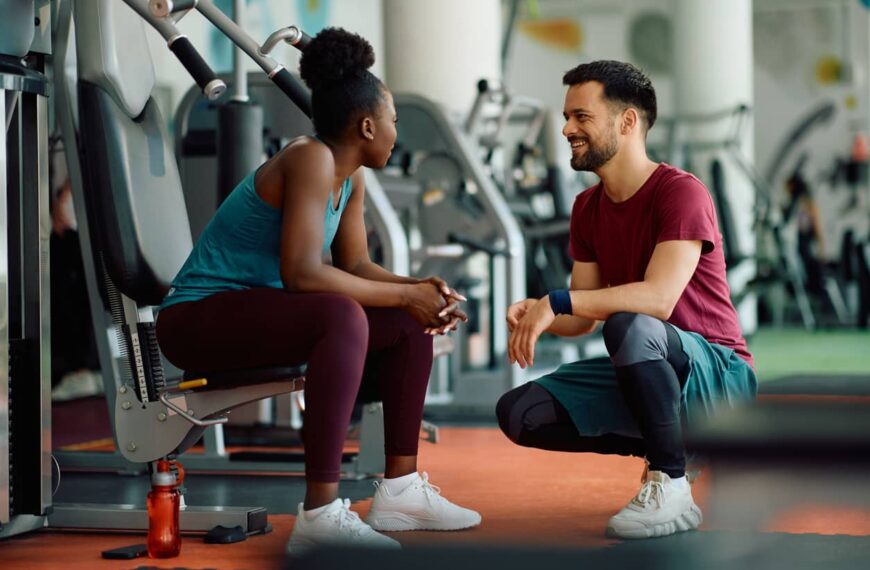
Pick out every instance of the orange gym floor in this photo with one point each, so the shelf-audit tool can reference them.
(527, 497)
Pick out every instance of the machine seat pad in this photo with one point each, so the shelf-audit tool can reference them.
(246, 377)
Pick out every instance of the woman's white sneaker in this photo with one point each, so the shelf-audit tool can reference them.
(419, 506)
(335, 524)
(660, 508)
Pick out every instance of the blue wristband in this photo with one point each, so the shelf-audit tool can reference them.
(560, 302)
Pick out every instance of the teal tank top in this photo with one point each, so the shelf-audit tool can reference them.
(240, 247)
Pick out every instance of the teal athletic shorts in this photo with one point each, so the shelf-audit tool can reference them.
(718, 378)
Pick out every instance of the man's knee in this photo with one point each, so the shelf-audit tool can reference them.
(633, 337)
(510, 412)
(615, 329)
(524, 410)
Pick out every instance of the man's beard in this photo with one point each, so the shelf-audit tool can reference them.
(595, 156)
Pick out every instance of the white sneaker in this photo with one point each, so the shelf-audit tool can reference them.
(78, 384)
(419, 507)
(660, 508)
(336, 524)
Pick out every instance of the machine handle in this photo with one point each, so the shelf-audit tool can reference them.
(164, 8)
(303, 39)
(292, 35)
(208, 81)
(293, 89)
(164, 399)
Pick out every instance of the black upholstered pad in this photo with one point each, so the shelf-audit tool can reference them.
(228, 378)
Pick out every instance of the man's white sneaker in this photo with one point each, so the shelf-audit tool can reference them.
(660, 508)
(335, 524)
(419, 506)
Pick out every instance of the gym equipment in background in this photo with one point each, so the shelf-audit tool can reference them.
(25, 366)
(776, 262)
(460, 227)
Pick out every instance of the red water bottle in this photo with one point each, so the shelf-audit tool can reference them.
(164, 536)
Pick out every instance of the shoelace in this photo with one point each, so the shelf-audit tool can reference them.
(350, 518)
(651, 491)
(433, 492)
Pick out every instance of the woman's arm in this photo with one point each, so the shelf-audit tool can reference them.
(350, 251)
(308, 179)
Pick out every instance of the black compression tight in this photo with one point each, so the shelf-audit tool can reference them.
(650, 369)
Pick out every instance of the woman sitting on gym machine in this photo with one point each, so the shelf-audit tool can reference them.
(256, 292)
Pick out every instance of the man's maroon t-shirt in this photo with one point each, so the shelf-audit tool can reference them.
(671, 205)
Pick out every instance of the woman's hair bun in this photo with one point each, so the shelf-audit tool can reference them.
(334, 55)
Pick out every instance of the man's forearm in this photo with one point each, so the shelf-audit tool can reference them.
(570, 325)
(640, 297)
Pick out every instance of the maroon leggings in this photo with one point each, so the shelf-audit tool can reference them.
(338, 339)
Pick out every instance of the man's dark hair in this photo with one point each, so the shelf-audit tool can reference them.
(335, 67)
(624, 84)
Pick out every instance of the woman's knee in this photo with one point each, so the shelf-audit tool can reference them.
(391, 326)
(343, 314)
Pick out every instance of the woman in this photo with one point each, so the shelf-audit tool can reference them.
(255, 292)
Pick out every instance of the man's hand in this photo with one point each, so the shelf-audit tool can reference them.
(517, 311)
(537, 318)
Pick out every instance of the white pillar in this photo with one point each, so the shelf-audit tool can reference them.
(441, 49)
(713, 72)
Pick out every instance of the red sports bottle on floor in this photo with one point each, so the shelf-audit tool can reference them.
(164, 502)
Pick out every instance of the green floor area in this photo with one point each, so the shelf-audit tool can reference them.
(785, 352)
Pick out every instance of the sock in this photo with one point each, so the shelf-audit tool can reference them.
(398, 484)
(680, 483)
(314, 513)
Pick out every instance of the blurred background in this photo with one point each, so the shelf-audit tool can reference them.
(766, 101)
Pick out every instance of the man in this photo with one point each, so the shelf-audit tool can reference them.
(649, 264)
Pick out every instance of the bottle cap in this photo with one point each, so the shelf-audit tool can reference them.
(163, 479)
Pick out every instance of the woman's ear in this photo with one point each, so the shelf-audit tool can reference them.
(367, 128)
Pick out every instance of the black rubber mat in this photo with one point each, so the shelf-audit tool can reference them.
(818, 385)
(686, 551)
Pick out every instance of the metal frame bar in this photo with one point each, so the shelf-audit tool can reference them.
(24, 297)
(4, 324)
(166, 27)
(35, 232)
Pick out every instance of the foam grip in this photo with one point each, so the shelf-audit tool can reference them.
(303, 41)
(293, 89)
(193, 62)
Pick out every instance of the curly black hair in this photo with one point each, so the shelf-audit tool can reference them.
(335, 67)
(624, 84)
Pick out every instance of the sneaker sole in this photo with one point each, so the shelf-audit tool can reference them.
(689, 520)
(398, 522)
